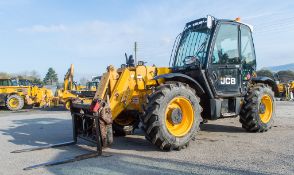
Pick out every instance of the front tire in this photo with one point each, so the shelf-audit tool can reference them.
(14, 102)
(258, 111)
(172, 116)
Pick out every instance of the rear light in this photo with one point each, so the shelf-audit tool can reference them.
(95, 105)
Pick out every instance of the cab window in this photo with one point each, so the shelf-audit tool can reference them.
(247, 48)
(5, 83)
(225, 50)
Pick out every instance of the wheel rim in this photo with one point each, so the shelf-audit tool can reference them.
(179, 116)
(13, 102)
(67, 105)
(266, 108)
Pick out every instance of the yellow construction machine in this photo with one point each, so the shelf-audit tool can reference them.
(290, 90)
(286, 90)
(211, 76)
(92, 85)
(70, 90)
(291, 85)
(16, 94)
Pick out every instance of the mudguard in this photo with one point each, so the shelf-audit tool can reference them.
(268, 81)
(182, 78)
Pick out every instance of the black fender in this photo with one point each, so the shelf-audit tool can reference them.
(181, 78)
(268, 81)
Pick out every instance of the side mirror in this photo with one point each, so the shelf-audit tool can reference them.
(209, 21)
(191, 60)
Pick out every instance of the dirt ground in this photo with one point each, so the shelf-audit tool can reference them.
(222, 147)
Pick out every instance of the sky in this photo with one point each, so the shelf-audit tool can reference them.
(92, 34)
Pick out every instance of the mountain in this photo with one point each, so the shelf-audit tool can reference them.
(281, 67)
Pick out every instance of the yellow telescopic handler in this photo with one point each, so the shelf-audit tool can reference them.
(211, 76)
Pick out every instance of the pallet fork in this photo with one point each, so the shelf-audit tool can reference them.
(83, 126)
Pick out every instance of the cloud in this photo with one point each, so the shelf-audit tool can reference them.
(43, 28)
(91, 42)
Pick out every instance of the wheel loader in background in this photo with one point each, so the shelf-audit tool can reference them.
(92, 85)
(70, 90)
(16, 94)
(211, 76)
(291, 86)
(286, 91)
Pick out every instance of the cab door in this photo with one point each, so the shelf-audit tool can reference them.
(224, 68)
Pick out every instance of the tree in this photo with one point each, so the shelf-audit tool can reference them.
(51, 77)
(285, 75)
(265, 73)
(4, 75)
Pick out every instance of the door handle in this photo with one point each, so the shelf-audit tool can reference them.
(214, 75)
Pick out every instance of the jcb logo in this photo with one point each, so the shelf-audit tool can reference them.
(228, 81)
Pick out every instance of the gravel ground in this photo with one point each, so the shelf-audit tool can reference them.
(222, 147)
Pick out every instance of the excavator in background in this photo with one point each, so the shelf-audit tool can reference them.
(70, 90)
(16, 94)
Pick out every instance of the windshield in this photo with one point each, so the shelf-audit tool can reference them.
(191, 43)
(5, 82)
(24, 83)
(14, 82)
(91, 84)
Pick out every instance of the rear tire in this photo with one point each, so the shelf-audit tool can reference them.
(258, 111)
(14, 102)
(166, 124)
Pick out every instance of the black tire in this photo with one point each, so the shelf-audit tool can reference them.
(121, 129)
(154, 119)
(250, 112)
(20, 102)
(37, 105)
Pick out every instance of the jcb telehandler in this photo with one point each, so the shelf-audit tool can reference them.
(211, 76)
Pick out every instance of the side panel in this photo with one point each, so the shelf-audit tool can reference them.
(226, 80)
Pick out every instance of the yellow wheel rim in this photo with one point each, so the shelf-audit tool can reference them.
(266, 109)
(13, 103)
(124, 120)
(67, 105)
(179, 125)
